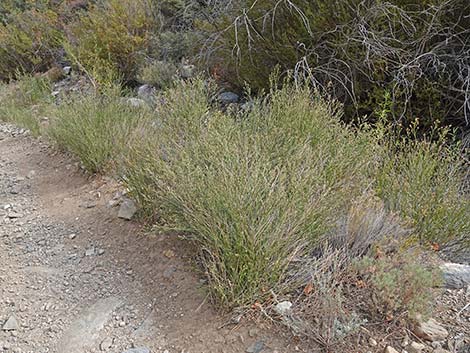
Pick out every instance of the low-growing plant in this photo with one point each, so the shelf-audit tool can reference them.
(26, 102)
(158, 74)
(95, 128)
(395, 284)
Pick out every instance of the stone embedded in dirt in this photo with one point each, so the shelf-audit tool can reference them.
(430, 330)
(101, 252)
(14, 214)
(11, 324)
(83, 333)
(168, 273)
(372, 342)
(106, 343)
(283, 308)
(390, 349)
(127, 209)
(90, 252)
(72, 236)
(416, 347)
(138, 350)
(256, 347)
(442, 350)
(456, 276)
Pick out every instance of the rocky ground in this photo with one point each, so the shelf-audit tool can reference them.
(77, 278)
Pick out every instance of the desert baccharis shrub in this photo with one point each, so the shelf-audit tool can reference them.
(114, 35)
(29, 42)
(423, 182)
(255, 192)
(95, 128)
(25, 102)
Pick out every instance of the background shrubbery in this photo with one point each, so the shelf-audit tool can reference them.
(356, 51)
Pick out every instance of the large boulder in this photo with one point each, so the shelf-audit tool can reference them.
(455, 276)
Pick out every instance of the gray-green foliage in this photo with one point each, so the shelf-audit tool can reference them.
(255, 191)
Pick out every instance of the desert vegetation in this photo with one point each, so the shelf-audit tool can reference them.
(343, 161)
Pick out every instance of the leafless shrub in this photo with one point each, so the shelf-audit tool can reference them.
(420, 53)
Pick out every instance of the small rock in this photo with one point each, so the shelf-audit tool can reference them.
(442, 350)
(168, 273)
(14, 215)
(430, 330)
(90, 252)
(127, 209)
(416, 347)
(100, 252)
(283, 308)
(11, 324)
(67, 70)
(138, 350)
(456, 276)
(228, 98)
(390, 349)
(146, 92)
(31, 174)
(106, 344)
(256, 347)
(72, 236)
(372, 342)
(187, 71)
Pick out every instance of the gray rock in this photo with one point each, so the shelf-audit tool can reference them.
(83, 333)
(187, 71)
(138, 350)
(416, 347)
(14, 215)
(90, 252)
(430, 330)
(67, 70)
(256, 347)
(390, 349)
(226, 98)
(146, 92)
(456, 276)
(283, 308)
(127, 209)
(11, 324)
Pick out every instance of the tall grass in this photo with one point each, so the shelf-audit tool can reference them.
(25, 102)
(95, 128)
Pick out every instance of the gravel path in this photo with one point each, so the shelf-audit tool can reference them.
(75, 278)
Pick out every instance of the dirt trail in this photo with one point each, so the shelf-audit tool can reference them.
(75, 278)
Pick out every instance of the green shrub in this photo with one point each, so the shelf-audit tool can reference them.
(95, 128)
(25, 102)
(254, 192)
(114, 36)
(159, 74)
(30, 42)
(423, 181)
